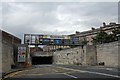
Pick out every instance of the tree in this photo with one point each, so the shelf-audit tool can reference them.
(115, 32)
(103, 37)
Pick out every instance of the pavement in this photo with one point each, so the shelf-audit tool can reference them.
(64, 71)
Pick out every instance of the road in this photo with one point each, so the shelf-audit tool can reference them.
(65, 71)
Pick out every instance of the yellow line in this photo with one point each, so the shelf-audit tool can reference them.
(14, 73)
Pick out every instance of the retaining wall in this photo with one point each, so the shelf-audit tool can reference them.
(90, 55)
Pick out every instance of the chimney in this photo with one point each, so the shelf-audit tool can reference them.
(77, 32)
(92, 28)
(104, 24)
(112, 23)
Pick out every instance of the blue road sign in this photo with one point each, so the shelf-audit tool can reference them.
(46, 41)
(57, 41)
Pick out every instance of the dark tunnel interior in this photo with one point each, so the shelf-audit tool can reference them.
(42, 60)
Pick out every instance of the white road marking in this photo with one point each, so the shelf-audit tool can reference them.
(91, 72)
(55, 70)
(70, 75)
(104, 74)
(109, 69)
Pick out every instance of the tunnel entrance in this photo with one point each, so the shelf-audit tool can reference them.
(42, 60)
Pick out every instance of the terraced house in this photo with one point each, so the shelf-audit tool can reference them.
(87, 36)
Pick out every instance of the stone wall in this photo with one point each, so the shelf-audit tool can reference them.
(108, 53)
(69, 56)
(89, 55)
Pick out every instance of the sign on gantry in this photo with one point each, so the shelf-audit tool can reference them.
(50, 39)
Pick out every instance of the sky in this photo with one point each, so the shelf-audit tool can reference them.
(55, 18)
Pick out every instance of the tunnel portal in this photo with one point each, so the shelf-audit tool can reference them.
(42, 60)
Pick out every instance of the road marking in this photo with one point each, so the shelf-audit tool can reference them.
(91, 72)
(104, 74)
(14, 73)
(70, 75)
(55, 70)
(109, 69)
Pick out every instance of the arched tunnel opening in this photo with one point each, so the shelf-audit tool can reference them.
(42, 60)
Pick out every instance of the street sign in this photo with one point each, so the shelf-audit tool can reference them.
(66, 41)
(57, 41)
(46, 41)
(37, 39)
(21, 54)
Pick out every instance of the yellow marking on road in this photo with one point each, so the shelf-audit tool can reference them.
(14, 73)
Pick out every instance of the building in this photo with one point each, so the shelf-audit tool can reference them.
(90, 34)
(9, 55)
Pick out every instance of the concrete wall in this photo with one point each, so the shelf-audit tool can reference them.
(0, 53)
(7, 43)
(89, 55)
(108, 53)
(119, 54)
(7, 57)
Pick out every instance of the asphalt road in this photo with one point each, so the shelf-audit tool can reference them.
(65, 71)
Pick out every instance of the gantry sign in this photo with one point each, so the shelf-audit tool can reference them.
(37, 39)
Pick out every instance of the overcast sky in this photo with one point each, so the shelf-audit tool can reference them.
(56, 17)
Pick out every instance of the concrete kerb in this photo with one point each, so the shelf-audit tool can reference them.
(14, 71)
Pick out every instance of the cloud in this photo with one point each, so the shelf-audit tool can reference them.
(56, 18)
(59, 0)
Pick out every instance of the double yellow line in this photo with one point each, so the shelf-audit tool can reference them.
(12, 74)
